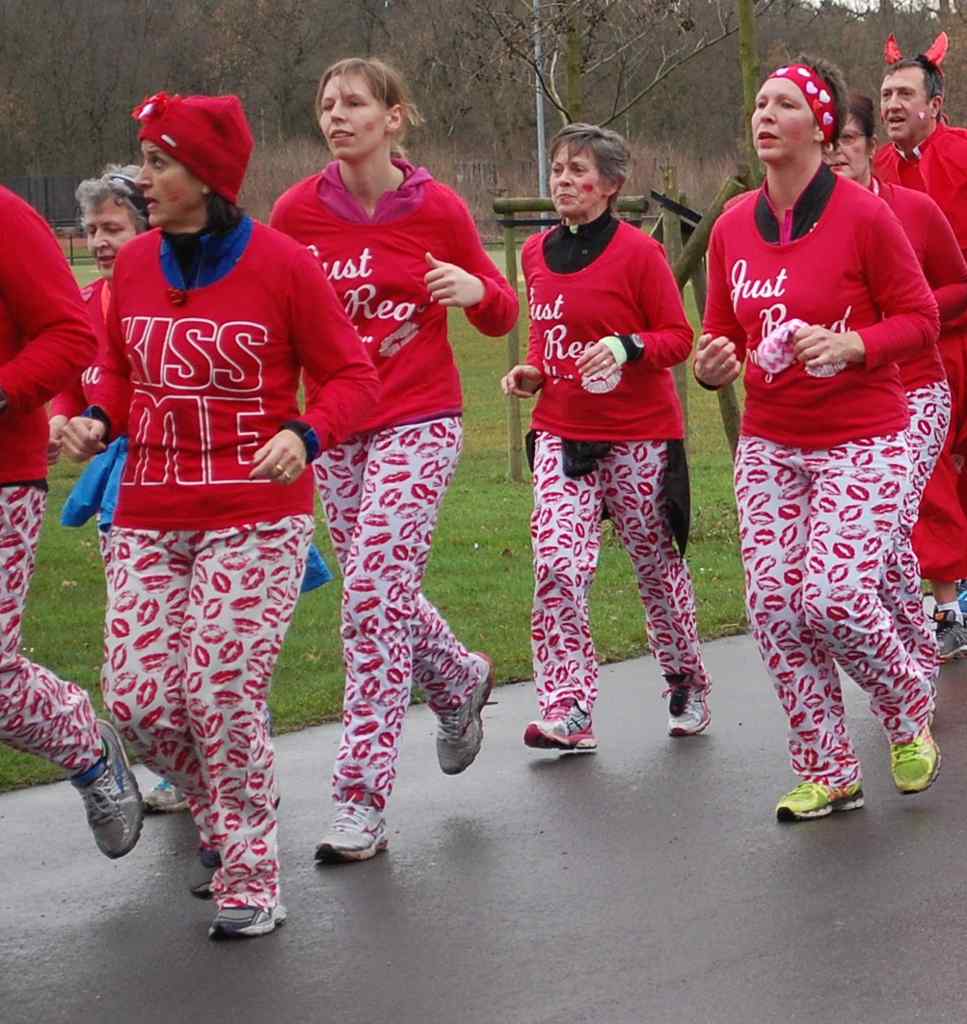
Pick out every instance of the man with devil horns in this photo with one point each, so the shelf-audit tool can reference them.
(925, 153)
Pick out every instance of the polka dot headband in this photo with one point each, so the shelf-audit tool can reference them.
(817, 93)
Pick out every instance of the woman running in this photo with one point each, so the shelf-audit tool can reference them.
(938, 521)
(815, 280)
(607, 324)
(213, 318)
(399, 248)
(113, 211)
(45, 342)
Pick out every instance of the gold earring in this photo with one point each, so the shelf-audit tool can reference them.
(205, 190)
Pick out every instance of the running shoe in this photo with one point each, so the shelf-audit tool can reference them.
(951, 635)
(165, 798)
(111, 797)
(357, 832)
(814, 800)
(566, 726)
(246, 922)
(203, 871)
(915, 765)
(460, 732)
(688, 712)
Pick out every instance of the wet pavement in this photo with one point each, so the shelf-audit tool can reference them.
(647, 882)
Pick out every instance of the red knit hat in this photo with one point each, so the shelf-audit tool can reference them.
(208, 134)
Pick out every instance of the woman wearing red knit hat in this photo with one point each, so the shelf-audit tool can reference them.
(399, 249)
(814, 280)
(213, 318)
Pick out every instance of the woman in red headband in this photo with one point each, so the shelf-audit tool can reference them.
(939, 516)
(213, 318)
(816, 283)
(400, 249)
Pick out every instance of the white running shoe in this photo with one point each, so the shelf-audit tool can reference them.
(357, 832)
(688, 712)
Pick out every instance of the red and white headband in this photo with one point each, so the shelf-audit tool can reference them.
(818, 95)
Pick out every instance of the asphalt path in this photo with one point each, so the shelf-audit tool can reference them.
(646, 883)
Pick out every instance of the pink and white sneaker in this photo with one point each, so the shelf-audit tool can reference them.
(566, 726)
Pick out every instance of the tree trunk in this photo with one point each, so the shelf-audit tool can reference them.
(575, 84)
(749, 61)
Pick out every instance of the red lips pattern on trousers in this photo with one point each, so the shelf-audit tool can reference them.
(566, 537)
(40, 714)
(382, 494)
(901, 591)
(816, 529)
(194, 627)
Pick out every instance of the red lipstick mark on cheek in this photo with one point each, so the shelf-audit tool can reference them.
(587, 188)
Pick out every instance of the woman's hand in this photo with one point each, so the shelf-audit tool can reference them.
(716, 363)
(597, 360)
(82, 437)
(523, 381)
(451, 285)
(55, 429)
(282, 459)
(818, 346)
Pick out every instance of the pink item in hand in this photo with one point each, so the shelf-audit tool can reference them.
(775, 352)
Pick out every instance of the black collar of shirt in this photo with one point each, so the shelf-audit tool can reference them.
(568, 250)
(806, 212)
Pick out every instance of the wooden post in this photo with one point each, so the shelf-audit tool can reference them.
(672, 240)
(515, 431)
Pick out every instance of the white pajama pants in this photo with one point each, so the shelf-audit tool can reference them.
(382, 494)
(194, 627)
(902, 593)
(39, 713)
(817, 529)
(566, 537)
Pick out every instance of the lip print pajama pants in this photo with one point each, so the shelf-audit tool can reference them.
(194, 627)
(382, 494)
(566, 536)
(902, 593)
(816, 529)
(39, 713)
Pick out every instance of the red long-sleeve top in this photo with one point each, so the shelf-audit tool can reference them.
(855, 271)
(200, 380)
(377, 270)
(45, 338)
(76, 397)
(628, 289)
(944, 267)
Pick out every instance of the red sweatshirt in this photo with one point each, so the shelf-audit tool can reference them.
(377, 270)
(200, 385)
(944, 267)
(73, 400)
(854, 271)
(628, 289)
(45, 339)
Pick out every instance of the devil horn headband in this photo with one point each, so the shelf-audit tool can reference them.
(892, 53)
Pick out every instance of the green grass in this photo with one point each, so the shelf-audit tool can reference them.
(479, 574)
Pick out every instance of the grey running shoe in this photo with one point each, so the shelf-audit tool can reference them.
(246, 922)
(566, 726)
(460, 732)
(202, 872)
(951, 636)
(688, 712)
(112, 800)
(165, 799)
(357, 832)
